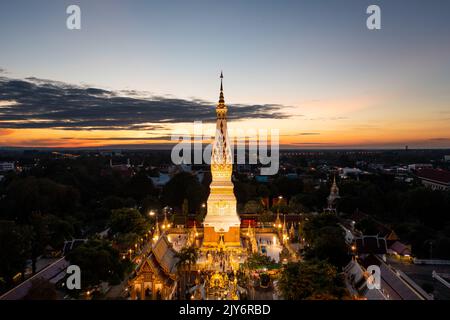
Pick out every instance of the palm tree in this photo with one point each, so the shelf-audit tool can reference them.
(187, 256)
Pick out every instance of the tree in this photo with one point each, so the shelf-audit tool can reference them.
(258, 261)
(15, 245)
(326, 239)
(428, 206)
(287, 187)
(313, 225)
(150, 203)
(253, 206)
(264, 280)
(182, 186)
(41, 289)
(124, 241)
(311, 279)
(187, 257)
(29, 195)
(296, 204)
(98, 262)
(40, 238)
(330, 246)
(266, 216)
(139, 186)
(368, 226)
(262, 191)
(128, 220)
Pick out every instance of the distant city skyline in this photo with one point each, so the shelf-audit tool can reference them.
(139, 71)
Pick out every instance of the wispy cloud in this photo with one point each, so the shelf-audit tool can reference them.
(41, 103)
(328, 118)
(119, 138)
(309, 134)
(439, 139)
(5, 132)
(311, 143)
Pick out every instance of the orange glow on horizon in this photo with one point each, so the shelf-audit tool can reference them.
(342, 135)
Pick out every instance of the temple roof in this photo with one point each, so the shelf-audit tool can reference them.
(165, 255)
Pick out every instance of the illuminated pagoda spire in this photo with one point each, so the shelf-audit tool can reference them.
(252, 237)
(284, 230)
(192, 236)
(222, 217)
(221, 97)
(292, 231)
(334, 195)
(334, 187)
(278, 221)
(156, 233)
(166, 224)
(194, 230)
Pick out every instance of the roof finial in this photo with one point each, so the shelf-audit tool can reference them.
(221, 98)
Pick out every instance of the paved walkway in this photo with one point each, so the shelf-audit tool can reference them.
(260, 293)
(421, 274)
(269, 243)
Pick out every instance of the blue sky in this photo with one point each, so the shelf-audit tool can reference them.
(317, 58)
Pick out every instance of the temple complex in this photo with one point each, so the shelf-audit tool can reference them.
(222, 243)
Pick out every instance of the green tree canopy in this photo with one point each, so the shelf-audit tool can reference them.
(139, 186)
(31, 194)
(253, 206)
(258, 261)
(309, 279)
(326, 239)
(182, 186)
(98, 262)
(41, 290)
(187, 256)
(15, 247)
(127, 220)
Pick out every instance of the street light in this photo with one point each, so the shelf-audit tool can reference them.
(279, 204)
(430, 242)
(151, 213)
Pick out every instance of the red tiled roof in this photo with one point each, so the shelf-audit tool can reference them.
(400, 248)
(439, 175)
(371, 244)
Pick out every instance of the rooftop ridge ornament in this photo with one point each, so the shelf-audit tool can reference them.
(221, 97)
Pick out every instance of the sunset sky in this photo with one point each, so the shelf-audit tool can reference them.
(139, 71)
